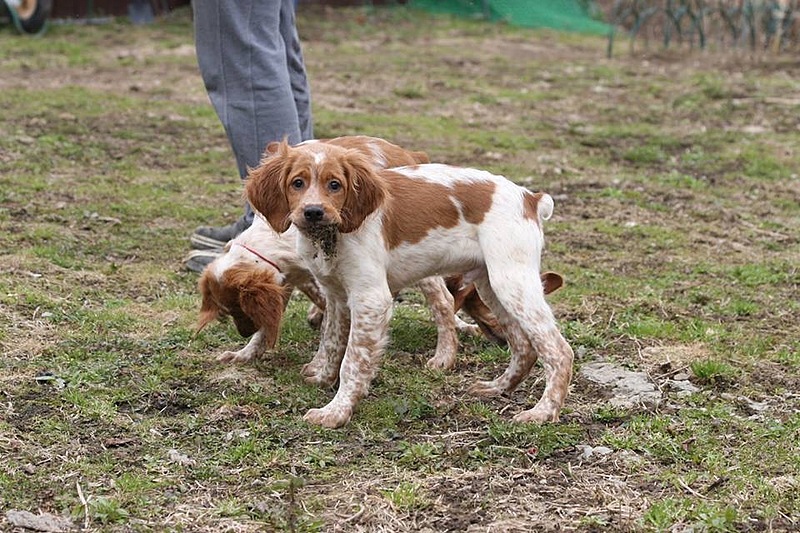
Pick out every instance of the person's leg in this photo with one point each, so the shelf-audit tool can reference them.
(243, 61)
(297, 69)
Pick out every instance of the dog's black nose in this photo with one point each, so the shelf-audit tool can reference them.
(313, 213)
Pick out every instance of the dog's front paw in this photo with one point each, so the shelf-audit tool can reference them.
(442, 362)
(329, 417)
(239, 357)
(486, 389)
(544, 411)
(537, 416)
(468, 329)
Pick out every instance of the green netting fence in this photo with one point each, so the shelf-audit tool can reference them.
(566, 15)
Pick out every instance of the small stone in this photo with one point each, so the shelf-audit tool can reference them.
(630, 457)
(588, 451)
(683, 376)
(756, 407)
(177, 457)
(683, 386)
(602, 450)
(40, 522)
(629, 389)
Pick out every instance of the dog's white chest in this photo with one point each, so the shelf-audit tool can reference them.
(321, 263)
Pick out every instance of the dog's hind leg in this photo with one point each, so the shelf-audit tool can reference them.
(520, 305)
(523, 357)
(539, 326)
(536, 320)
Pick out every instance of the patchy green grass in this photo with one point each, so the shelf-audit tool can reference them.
(676, 227)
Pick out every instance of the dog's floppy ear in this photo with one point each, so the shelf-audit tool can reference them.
(551, 281)
(366, 191)
(272, 148)
(264, 189)
(263, 300)
(209, 309)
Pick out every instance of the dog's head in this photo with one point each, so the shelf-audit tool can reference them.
(252, 296)
(315, 186)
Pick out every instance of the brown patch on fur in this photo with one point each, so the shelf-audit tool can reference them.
(250, 296)
(531, 210)
(475, 199)
(467, 298)
(221, 300)
(454, 286)
(483, 317)
(417, 207)
(394, 155)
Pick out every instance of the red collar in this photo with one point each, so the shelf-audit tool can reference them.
(255, 253)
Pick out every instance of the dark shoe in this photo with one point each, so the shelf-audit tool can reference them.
(211, 237)
(198, 260)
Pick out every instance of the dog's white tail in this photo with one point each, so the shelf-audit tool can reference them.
(545, 207)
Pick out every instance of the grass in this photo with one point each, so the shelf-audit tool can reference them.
(675, 226)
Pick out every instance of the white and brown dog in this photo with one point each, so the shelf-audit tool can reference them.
(367, 233)
(254, 277)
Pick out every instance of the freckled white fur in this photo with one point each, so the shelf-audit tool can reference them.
(502, 254)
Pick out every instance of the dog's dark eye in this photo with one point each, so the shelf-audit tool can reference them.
(298, 184)
(334, 185)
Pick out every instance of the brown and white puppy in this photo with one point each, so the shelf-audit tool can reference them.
(253, 279)
(367, 233)
(251, 282)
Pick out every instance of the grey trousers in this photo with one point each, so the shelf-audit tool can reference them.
(252, 67)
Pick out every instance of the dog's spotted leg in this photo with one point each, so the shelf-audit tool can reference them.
(556, 356)
(441, 303)
(253, 350)
(316, 310)
(323, 369)
(368, 334)
(522, 355)
(522, 360)
(532, 332)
